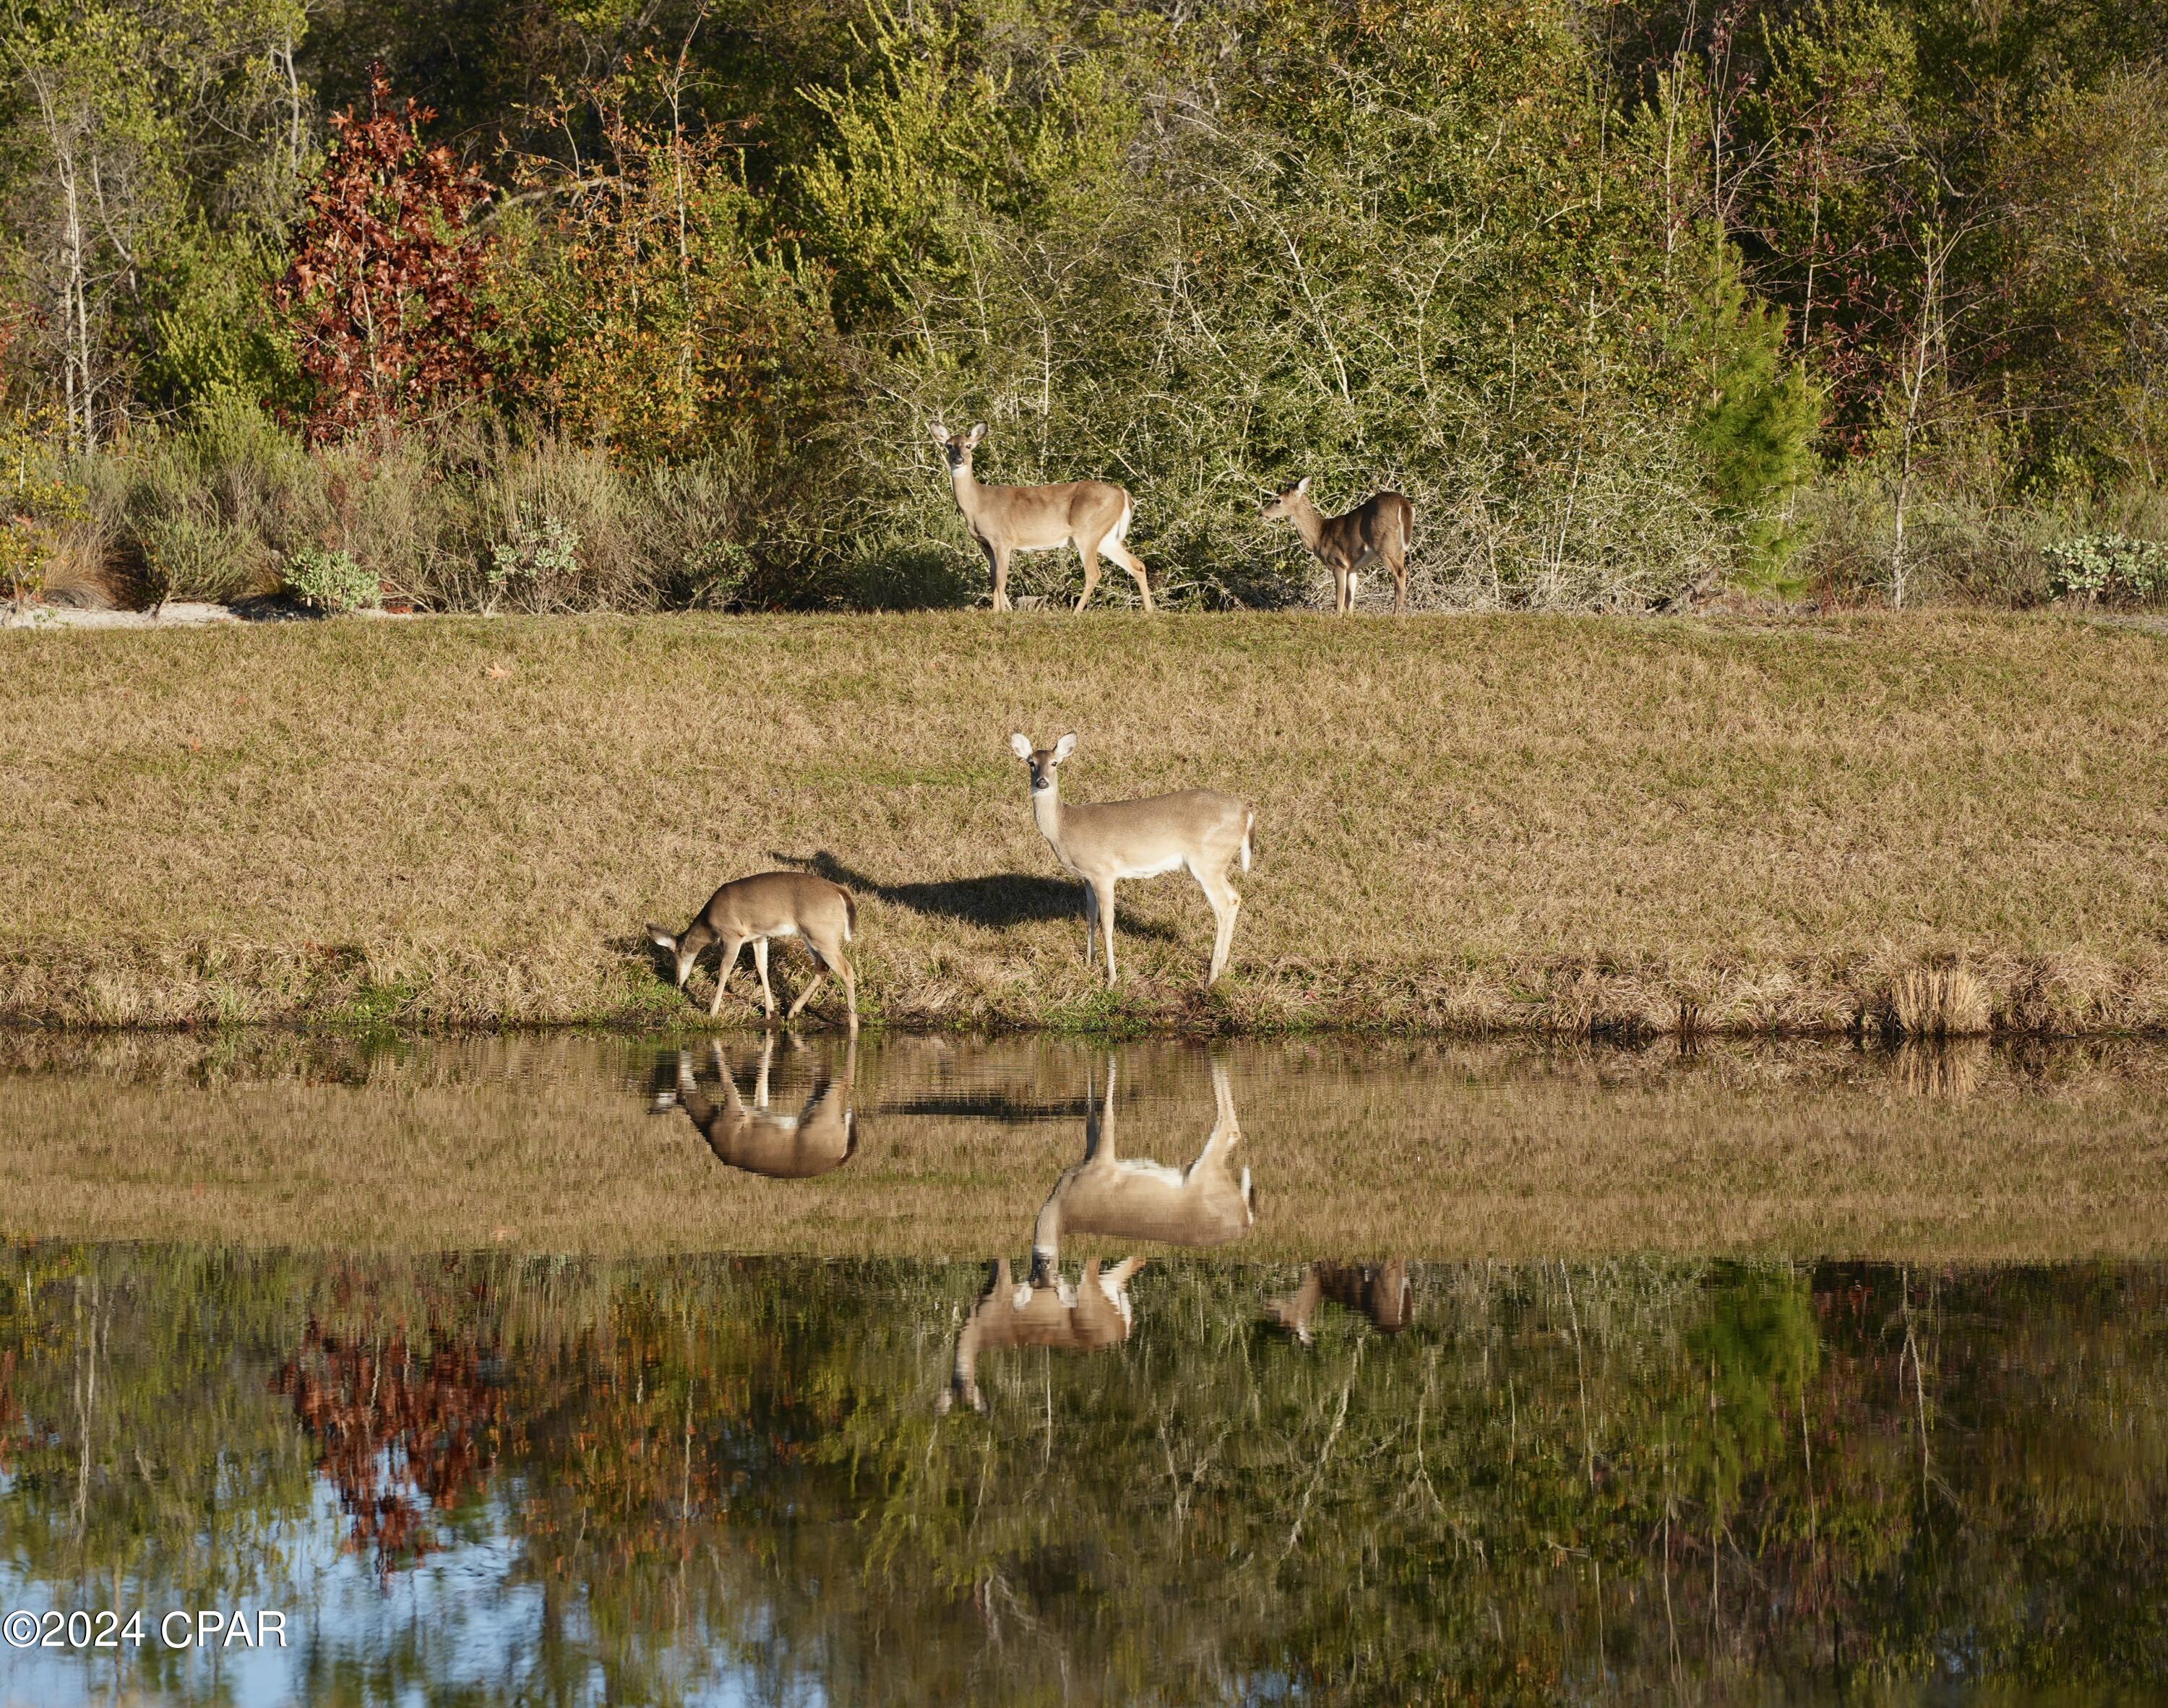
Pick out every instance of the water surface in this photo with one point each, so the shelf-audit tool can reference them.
(561, 1370)
(554, 1144)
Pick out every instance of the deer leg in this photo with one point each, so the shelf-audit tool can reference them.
(1090, 925)
(1343, 598)
(1226, 904)
(1120, 551)
(1396, 560)
(812, 984)
(724, 968)
(828, 957)
(1104, 902)
(760, 960)
(1090, 554)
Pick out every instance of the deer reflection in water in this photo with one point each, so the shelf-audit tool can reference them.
(1207, 1203)
(785, 1145)
(1381, 1291)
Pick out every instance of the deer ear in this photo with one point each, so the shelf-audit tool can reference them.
(978, 432)
(1020, 744)
(1065, 747)
(1302, 487)
(661, 938)
(940, 433)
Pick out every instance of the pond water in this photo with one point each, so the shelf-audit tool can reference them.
(584, 1371)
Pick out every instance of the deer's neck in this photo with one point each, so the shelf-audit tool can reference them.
(1046, 808)
(969, 492)
(1309, 522)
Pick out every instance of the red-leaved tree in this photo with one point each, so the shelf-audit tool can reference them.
(384, 290)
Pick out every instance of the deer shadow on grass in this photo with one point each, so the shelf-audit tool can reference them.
(995, 901)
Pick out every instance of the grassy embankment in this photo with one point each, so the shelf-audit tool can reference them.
(1572, 825)
(1391, 1148)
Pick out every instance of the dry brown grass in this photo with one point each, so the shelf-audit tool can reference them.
(1581, 825)
(1939, 1002)
(544, 1143)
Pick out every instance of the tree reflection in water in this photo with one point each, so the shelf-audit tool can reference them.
(1625, 1481)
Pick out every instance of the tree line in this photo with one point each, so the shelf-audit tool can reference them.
(638, 303)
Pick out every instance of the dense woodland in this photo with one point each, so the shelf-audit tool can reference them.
(549, 305)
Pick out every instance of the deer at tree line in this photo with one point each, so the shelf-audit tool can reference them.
(1095, 516)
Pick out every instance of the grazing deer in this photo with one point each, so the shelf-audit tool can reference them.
(1095, 514)
(1047, 1311)
(822, 1135)
(772, 905)
(1379, 530)
(1381, 1291)
(1205, 1204)
(1102, 843)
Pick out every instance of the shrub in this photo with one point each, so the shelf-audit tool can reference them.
(331, 582)
(39, 507)
(2107, 566)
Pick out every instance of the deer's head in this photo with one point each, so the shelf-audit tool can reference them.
(1042, 760)
(957, 447)
(683, 950)
(1284, 505)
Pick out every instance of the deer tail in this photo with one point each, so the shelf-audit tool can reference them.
(1249, 835)
(850, 914)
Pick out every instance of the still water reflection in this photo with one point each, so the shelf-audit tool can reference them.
(488, 1479)
(1198, 1388)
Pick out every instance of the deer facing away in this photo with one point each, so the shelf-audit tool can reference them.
(1207, 1203)
(1200, 831)
(1094, 514)
(757, 910)
(1380, 529)
(784, 1144)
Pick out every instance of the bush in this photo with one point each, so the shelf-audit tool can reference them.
(2107, 566)
(331, 582)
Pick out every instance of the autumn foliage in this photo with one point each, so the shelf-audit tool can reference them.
(386, 288)
(400, 1433)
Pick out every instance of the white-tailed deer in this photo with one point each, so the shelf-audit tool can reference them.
(1381, 1291)
(756, 909)
(820, 1135)
(1379, 530)
(1045, 1312)
(1102, 843)
(1094, 514)
(1207, 1203)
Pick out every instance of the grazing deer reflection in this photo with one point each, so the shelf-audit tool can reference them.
(1381, 1291)
(1207, 1203)
(820, 1135)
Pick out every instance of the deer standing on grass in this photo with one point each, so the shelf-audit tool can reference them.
(1379, 530)
(1207, 1203)
(784, 1146)
(1094, 514)
(1199, 829)
(759, 908)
